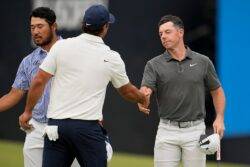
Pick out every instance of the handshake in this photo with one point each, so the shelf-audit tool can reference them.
(143, 105)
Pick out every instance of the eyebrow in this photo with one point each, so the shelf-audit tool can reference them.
(36, 24)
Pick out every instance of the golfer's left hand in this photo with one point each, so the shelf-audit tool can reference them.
(219, 126)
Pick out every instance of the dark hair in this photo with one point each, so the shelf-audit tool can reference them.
(89, 30)
(170, 18)
(44, 13)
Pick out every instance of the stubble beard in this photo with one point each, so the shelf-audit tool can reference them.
(46, 41)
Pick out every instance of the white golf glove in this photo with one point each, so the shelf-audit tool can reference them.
(109, 151)
(52, 132)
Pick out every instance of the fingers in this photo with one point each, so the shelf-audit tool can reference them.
(24, 124)
(219, 130)
(221, 133)
(146, 91)
(143, 109)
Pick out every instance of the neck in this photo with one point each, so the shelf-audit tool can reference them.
(102, 35)
(49, 45)
(178, 52)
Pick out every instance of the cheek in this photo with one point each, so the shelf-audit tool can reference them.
(32, 33)
(174, 37)
(162, 40)
(45, 33)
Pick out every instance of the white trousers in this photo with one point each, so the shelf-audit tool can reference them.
(174, 145)
(33, 146)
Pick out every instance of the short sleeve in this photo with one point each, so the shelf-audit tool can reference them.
(149, 77)
(21, 80)
(49, 63)
(118, 73)
(211, 78)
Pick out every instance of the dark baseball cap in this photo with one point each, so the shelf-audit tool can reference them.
(96, 16)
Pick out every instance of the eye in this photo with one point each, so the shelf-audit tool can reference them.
(168, 32)
(40, 26)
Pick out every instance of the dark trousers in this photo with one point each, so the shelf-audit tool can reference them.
(77, 138)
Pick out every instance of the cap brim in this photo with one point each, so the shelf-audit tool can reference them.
(111, 18)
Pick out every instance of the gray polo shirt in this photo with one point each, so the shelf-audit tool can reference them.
(180, 85)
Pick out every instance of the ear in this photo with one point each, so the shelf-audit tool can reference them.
(181, 32)
(54, 26)
(106, 25)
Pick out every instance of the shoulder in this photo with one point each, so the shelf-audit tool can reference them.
(200, 56)
(67, 43)
(156, 60)
(31, 57)
(113, 55)
(60, 43)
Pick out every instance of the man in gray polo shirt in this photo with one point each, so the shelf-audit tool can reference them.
(179, 77)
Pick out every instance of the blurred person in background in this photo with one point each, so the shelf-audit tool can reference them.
(81, 68)
(43, 31)
(178, 78)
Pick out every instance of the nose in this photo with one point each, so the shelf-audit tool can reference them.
(35, 31)
(163, 36)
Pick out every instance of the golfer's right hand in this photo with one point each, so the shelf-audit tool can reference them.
(143, 107)
(24, 121)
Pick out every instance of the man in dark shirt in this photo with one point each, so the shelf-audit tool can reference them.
(179, 77)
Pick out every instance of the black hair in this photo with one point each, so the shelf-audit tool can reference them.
(44, 13)
(92, 31)
(170, 18)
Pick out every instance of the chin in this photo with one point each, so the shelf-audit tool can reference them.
(40, 43)
(168, 47)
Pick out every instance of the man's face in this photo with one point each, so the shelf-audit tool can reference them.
(170, 35)
(41, 31)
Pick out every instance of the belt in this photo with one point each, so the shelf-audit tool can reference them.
(182, 124)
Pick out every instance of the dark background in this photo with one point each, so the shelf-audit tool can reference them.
(135, 37)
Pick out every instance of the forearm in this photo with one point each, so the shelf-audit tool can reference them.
(131, 93)
(11, 99)
(6, 103)
(219, 102)
(34, 94)
(36, 89)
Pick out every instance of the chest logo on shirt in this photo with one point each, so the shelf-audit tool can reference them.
(191, 65)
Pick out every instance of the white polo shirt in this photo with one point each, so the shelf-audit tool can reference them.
(82, 68)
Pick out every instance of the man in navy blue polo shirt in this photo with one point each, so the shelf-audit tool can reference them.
(82, 68)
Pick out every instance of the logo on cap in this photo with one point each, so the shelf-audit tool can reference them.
(96, 16)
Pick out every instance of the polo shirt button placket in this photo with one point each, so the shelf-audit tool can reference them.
(180, 68)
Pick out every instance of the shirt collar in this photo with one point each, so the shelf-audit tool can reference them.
(93, 38)
(188, 55)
